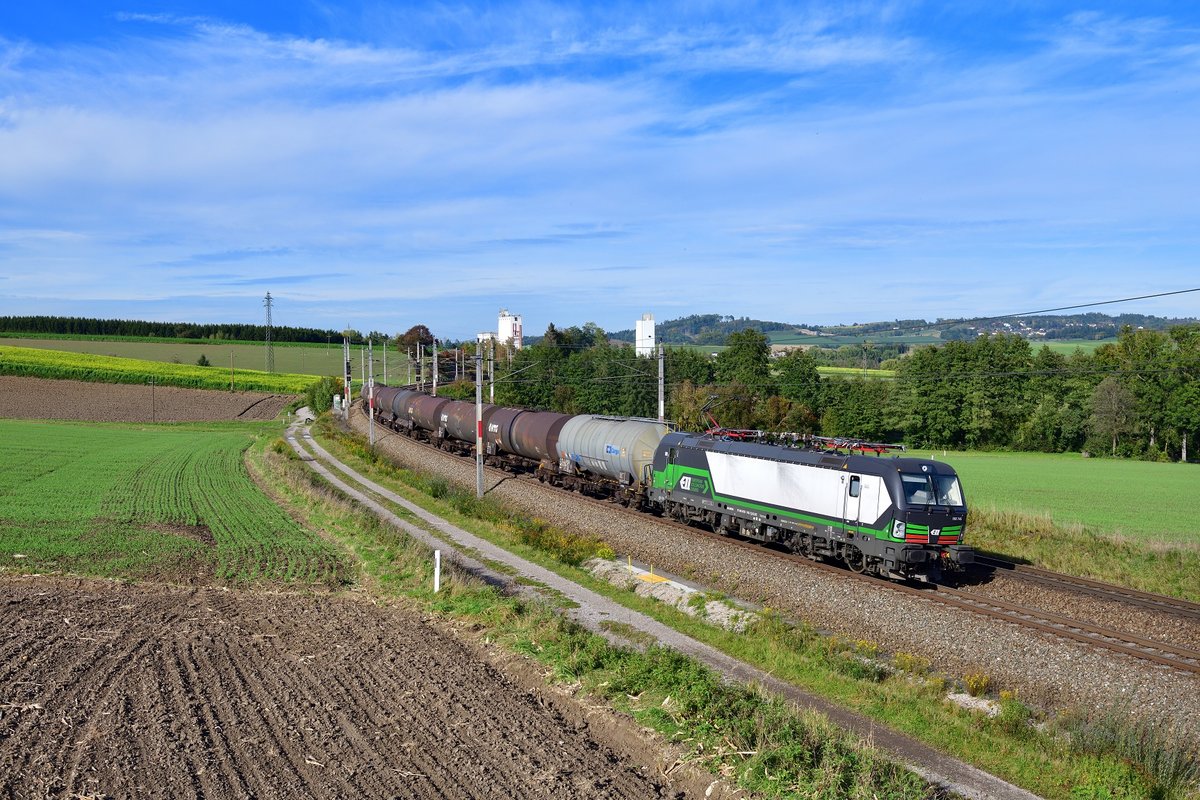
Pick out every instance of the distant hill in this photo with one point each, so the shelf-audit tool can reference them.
(1075, 326)
(712, 329)
(703, 329)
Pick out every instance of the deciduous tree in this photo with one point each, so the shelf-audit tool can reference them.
(417, 334)
(1113, 408)
(747, 360)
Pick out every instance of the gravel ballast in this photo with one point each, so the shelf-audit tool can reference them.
(1043, 669)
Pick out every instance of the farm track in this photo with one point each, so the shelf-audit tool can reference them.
(1184, 659)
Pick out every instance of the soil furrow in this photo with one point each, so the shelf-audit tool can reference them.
(162, 692)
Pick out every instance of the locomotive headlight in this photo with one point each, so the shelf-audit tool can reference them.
(898, 529)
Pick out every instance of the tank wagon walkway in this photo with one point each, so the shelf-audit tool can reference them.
(593, 609)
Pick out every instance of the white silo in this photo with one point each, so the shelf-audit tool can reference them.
(509, 328)
(645, 335)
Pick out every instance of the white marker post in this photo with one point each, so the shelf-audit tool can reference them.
(478, 420)
(435, 367)
(437, 571)
(370, 389)
(346, 396)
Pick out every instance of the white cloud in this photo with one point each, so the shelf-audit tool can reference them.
(445, 171)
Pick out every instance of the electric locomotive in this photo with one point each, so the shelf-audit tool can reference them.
(899, 518)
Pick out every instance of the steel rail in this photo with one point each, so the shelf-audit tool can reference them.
(1023, 572)
(1180, 658)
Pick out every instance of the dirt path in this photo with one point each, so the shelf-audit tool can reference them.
(110, 689)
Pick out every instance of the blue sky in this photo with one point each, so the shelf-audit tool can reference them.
(382, 164)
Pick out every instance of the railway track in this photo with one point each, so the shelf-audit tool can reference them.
(1156, 602)
(1160, 653)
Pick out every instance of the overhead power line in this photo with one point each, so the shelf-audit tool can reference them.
(890, 331)
(1070, 308)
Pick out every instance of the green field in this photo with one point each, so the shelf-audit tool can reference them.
(1064, 346)
(1069, 346)
(1138, 499)
(854, 372)
(45, 363)
(167, 503)
(299, 359)
(882, 337)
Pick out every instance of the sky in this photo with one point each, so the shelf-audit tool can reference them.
(378, 165)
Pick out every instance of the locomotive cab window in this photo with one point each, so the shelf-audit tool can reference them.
(930, 490)
(855, 486)
(949, 493)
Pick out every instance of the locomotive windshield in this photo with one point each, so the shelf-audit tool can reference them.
(931, 490)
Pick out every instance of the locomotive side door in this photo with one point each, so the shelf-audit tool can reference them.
(851, 498)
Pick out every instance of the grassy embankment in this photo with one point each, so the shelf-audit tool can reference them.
(39, 363)
(902, 691)
(168, 502)
(1116, 520)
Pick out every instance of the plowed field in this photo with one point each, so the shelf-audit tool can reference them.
(39, 398)
(116, 690)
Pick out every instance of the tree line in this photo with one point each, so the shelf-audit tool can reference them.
(86, 326)
(1138, 397)
(703, 329)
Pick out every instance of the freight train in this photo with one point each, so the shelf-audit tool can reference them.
(894, 517)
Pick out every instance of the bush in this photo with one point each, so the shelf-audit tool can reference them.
(319, 395)
(977, 683)
(1014, 717)
(910, 663)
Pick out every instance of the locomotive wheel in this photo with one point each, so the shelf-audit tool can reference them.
(855, 560)
(806, 548)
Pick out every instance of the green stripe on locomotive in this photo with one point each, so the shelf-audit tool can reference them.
(874, 514)
(669, 480)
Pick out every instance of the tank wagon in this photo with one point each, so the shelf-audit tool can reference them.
(617, 449)
(528, 435)
(458, 423)
(895, 517)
